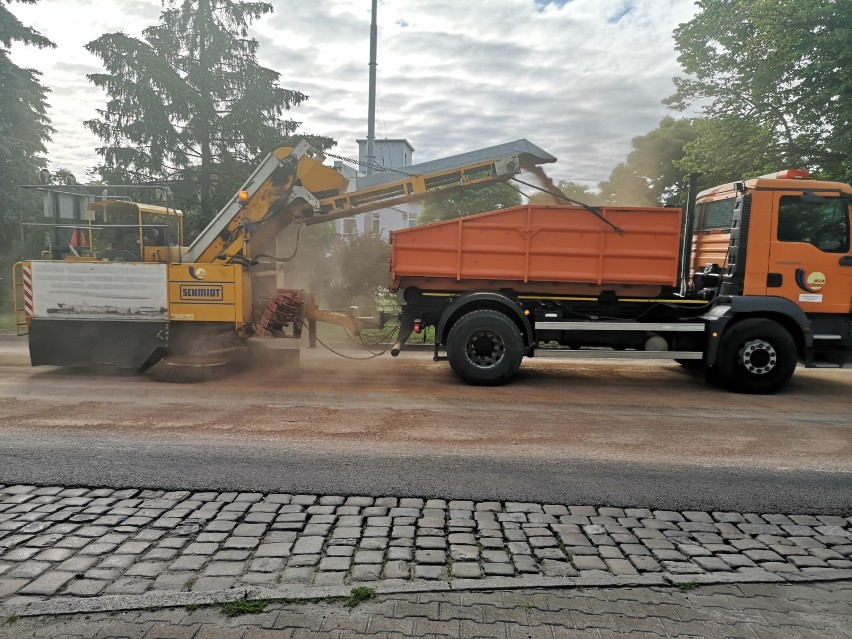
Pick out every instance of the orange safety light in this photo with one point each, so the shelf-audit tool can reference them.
(243, 197)
(793, 174)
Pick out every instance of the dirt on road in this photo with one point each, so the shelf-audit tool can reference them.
(644, 412)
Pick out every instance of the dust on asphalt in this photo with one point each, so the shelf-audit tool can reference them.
(629, 412)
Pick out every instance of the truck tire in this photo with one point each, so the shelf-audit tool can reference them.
(485, 348)
(755, 356)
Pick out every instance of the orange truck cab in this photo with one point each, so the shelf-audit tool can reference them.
(785, 237)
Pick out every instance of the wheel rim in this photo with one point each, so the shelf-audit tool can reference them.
(485, 349)
(758, 357)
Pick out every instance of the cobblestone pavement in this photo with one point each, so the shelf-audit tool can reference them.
(82, 542)
(745, 610)
(70, 556)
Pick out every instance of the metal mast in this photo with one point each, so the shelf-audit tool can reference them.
(371, 115)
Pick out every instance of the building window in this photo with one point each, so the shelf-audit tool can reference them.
(377, 224)
(350, 226)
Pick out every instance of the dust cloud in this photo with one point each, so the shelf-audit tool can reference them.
(546, 183)
(341, 271)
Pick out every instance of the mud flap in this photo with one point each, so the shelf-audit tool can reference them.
(125, 344)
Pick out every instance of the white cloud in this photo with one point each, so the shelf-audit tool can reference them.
(579, 78)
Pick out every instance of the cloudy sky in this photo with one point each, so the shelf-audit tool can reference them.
(579, 78)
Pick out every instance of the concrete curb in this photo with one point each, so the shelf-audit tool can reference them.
(174, 599)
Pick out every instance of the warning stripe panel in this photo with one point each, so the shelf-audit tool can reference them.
(28, 291)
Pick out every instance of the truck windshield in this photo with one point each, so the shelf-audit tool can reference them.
(820, 221)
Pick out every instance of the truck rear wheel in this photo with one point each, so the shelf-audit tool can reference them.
(485, 348)
(756, 356)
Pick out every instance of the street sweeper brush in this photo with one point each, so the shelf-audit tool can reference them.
(192, 369)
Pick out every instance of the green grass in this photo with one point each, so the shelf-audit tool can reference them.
(359, 595)
(244, 607)
(7, 321)
(688, 585)
(427, 336)
(191, 607)
(255, 606)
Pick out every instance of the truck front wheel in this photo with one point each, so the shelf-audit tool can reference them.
(485, 348)
(755, 356)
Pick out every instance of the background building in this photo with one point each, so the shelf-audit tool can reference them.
(390, 154)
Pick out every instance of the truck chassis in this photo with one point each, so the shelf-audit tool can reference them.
(744, 344)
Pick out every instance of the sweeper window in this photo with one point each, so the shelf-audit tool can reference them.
(122, 230)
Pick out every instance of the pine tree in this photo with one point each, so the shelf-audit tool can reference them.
(189, 102)
(24, 129)
(24, 125)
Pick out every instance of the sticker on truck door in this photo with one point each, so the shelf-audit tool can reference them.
(811, 284)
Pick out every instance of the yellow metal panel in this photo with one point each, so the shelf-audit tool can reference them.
(245, 291)
(206, 293)
(313, 174)
(407, 189)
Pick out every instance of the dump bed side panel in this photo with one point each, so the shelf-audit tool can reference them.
(543, 244)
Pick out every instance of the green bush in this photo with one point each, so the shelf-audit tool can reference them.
(30, 247)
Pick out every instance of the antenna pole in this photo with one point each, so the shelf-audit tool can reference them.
(371, 115)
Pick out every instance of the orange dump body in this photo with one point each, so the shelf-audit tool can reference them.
(542, 248)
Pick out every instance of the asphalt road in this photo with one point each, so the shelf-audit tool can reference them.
(603, 433)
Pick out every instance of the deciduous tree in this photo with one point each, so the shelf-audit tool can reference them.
(729, 148)
(578, 192)
(783, 67)
(649, 175)
(468, 202)
(341, 270)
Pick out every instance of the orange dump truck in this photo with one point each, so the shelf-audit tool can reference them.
(766, 283)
